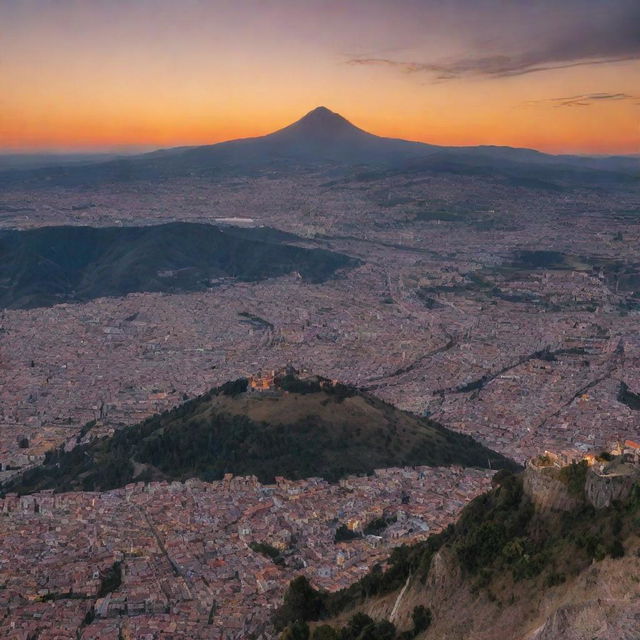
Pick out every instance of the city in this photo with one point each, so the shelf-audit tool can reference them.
(319, 320)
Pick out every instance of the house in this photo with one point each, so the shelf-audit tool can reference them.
(631, 451)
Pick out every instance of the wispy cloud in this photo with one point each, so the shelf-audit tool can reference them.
(585, 99)
(499, 66)
(611, 38)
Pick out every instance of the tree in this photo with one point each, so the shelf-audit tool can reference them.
(616, 550)
(362, 627)
(324, 632)
(301, 603)
(384, 630)
(356, 626)
(421, 617)
(296, 631)
(344, 534)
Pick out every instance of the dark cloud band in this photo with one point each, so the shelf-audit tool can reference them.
(591, 39)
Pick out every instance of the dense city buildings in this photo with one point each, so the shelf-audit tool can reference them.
(185, 553)
(444, 316)
(500, 311)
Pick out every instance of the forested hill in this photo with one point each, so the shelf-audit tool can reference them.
(46, 266)
(297, 429)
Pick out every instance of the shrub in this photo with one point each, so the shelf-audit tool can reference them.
(111, 580)
(421, 617)
(575, 476)
(296, 631)
(344, 534)
(234, 387)
(554, 579)
(324, 632)
(616, 550)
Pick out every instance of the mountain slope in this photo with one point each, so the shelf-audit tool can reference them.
(516, 565)
(41, 267)
(325, 140)
(301, 428)
(319, 137)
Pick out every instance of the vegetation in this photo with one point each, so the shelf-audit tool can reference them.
(301, 603)
(294, 384)
(344, 534)
(316, 429)
(110, 580)
(362, 627)
(234, 388)
(359, 627)
(540, 259)
(268, 550)
(403, 561)
(65, 264)
(499, 536)
(377, 526)
(575, 476)
(421, 617)
(626, 396)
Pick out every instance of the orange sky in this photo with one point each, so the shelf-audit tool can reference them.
(96, 74)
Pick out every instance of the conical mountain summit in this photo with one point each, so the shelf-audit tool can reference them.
(321, 123)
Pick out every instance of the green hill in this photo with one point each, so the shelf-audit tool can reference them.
(300, 428)
(46, 266)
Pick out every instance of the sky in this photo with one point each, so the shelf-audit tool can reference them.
(86, 75)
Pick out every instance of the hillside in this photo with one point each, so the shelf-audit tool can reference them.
(46, 266)
(540, 557)
(323, 140)
(299, 428)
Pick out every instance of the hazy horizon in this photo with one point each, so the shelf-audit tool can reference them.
(128, 149)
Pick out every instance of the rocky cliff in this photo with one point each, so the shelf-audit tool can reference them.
(547, 489)
(614, 482)
(532, 560)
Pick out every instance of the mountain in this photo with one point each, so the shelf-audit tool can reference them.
(551, 553)
(323, 140)
(38, 160)
(299, 427)
(320, 137)
(49, 265)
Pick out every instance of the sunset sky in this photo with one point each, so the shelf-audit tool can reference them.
(127, 74)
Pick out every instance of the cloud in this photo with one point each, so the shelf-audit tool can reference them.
(494, 66)
(498, 66)
(557, 42)
(585, 100)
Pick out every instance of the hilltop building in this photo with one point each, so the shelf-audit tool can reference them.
(267, 382)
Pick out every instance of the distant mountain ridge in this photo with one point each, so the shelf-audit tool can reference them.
(50, 265)
(293, 427)
(324, 139)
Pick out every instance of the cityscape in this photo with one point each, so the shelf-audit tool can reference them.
(271, 370)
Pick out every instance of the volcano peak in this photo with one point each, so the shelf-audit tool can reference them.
(321, 123)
